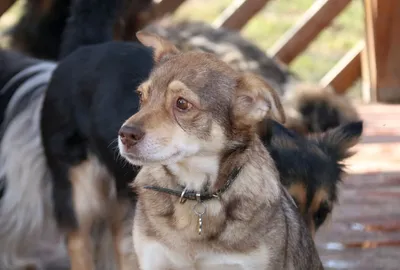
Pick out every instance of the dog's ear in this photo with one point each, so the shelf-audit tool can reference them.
(255, 100)
(269, 129)
(339, 140)
(163, 49)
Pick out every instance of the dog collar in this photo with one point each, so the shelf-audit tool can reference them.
(196, 196)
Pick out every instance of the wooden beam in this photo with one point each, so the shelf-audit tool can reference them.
(239, 13)
(346, 71)
(368, 94)
(382, 59)
(5, 5)
(164, 7)
(297, 39)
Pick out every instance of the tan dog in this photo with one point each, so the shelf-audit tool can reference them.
(208, 193)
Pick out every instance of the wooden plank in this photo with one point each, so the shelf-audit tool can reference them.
(382, 58)
(165, 7)
(346, 71)
(367, 92)
(5, 5)
(239, 13)
(297, 39)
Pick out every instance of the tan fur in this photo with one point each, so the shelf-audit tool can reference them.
(80, 250)
(299, 192)
(320, 196)
(156, 42)
(94, 199)
(175, 224)
(260, 91)
(197, 146)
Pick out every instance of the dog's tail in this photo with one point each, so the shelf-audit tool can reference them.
(90, 22)
(38, 31)
(310, 108)
(28, 233)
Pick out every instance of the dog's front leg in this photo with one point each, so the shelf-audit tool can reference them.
(80, 250)
(116, 231)
(123, 253)
(89, 204)
(152, 255)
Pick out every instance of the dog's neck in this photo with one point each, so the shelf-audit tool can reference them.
(208, 173)
(243, 180)
(196, 173)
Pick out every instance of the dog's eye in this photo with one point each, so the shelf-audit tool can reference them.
(182, 104)
(321, 214)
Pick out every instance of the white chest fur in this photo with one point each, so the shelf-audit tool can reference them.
(195, 172)
(153, 255)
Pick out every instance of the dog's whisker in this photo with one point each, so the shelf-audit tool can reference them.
(115, 141)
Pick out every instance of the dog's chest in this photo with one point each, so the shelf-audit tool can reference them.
(156, 256)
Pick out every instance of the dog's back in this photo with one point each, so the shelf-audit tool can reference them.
(77, 101)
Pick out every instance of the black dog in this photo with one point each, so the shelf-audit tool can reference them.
(91, 92)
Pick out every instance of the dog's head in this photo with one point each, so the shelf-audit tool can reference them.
(193, 105)
(311, 167)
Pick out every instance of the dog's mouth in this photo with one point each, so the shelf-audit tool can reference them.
(141, 160)
(154, 149)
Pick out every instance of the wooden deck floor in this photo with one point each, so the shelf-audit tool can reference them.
(364, 231)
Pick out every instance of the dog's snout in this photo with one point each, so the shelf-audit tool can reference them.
(130, 135)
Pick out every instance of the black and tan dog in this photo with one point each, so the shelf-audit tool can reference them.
(61, 178)
(311, 167)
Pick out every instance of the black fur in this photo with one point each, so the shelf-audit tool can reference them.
(10, 64)
(89, 96)
(78, 33)
(319, 116)
(39, 32)
(336, 142)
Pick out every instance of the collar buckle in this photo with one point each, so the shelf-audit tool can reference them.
(182, 200)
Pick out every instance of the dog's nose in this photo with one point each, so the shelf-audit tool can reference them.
(130, 135)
